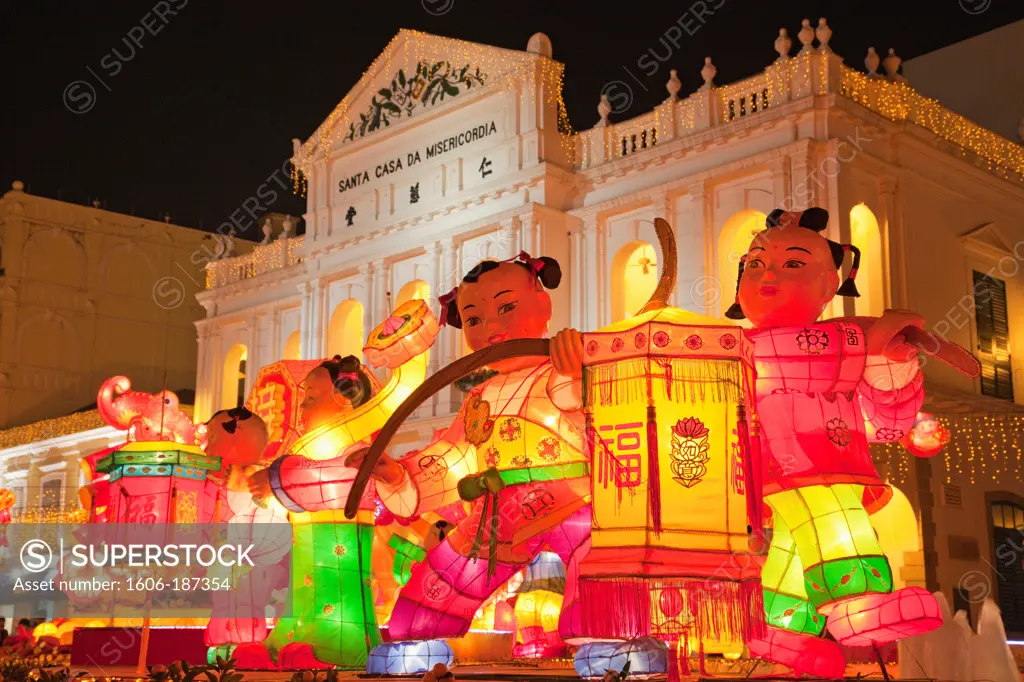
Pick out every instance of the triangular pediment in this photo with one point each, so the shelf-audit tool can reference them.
(416, 73)
(986, 240)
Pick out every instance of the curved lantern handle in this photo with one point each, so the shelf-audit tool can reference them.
(516, 348)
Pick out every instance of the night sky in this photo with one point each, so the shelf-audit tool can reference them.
(199, 116)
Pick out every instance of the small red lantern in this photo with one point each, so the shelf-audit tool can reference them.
(927, 437)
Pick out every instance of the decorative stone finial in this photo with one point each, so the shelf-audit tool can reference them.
(823, 33)
(540, 44)
(287, 226)
(892, 66)
(18, 186)
(296, 147)
(604, 108)
(167, 218)
(782, 44)
(806, 36)
(708, 73)
(268, 228)
(96, 203)
(871, 63)
(673, 85)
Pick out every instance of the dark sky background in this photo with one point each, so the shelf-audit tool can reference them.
(205, 110)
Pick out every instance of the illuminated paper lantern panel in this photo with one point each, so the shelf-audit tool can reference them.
(666, 392)
(159, 482)
(276, 396)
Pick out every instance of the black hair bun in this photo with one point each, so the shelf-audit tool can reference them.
(550, 275)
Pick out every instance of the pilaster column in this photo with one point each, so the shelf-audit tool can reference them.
(276, 351)
(252, 344)
(437, 289)
(591, 294)
(780, 180)
(319, 320)
(894, 246)
(805, 182)
(576, 279)
(366, 276)
(381, 276)
(450, 398)
(509, 235)
(530, 235)
(305, 321)
(700, 282)
(201, 409)
(216, 365)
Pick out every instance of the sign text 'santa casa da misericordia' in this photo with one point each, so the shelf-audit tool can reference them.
(429, 152)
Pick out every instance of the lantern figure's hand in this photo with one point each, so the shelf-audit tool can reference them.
(385, 470)
(259, 484)
(567, 353)
(884, 335)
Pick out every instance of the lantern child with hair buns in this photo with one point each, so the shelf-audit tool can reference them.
(824, 391)
(516, 451)
(342, 408)
(238, 438)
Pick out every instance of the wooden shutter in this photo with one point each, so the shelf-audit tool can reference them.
(993, 336)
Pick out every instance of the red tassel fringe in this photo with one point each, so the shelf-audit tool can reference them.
(653, 470)
(624, 608)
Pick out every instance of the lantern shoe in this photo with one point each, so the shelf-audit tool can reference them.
(594, 659)
(871, 619)
(252, 656)
(802, 653)
(299, 656)
(408, 658)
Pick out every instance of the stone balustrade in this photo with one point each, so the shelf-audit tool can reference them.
(263, 259)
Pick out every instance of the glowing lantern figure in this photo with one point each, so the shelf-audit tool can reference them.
(238, 626)
(515, 452)
(824, 388)
(927, 437)
(677, 522)
(538, 607)
(6, 504)
(331, 584)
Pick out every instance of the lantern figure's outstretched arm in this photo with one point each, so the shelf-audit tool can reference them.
(890, 395)
(448, 375)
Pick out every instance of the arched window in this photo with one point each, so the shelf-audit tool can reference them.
(233, 384)
(865, 235)
(634, 278)
(733, 243)
(416, 289)
(1007, 539)
(345, 334)
(292, 347)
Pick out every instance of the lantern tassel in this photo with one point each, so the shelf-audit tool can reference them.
(653, 470)
(673, 663)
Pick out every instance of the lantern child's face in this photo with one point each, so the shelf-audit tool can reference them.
(241, 443)
(504, 304)
(788, 279)
(321, 402)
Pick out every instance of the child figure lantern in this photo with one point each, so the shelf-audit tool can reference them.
(677, 514)
(824, 390)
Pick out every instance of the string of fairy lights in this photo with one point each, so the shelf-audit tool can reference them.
(983, 447)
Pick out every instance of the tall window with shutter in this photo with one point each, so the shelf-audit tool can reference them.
(993, 336)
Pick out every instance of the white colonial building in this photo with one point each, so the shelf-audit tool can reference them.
(446, 153)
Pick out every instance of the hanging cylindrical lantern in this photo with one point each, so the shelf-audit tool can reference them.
(669, 412)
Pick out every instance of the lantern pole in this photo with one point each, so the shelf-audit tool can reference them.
(144, 646)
